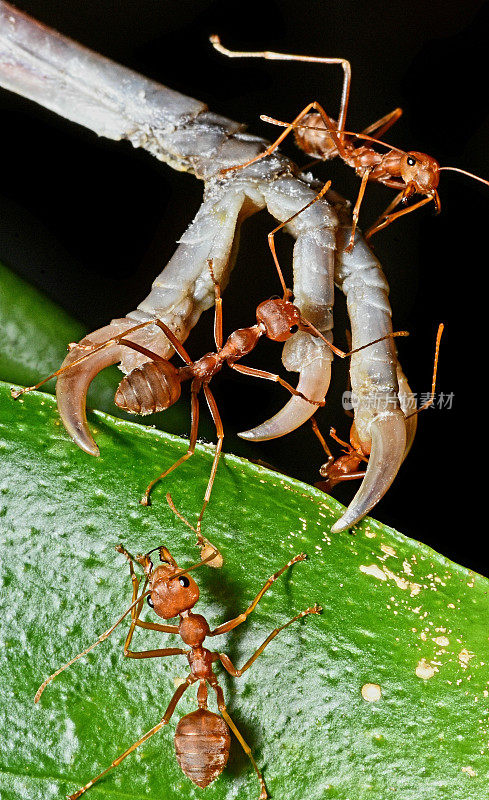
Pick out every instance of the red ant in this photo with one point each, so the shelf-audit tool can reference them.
(156, 384)
(343, 468)
(346, 467)
(323, 138)
(202, 738)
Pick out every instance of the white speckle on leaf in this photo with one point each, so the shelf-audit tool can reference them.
(68, 744)
(464, 657)
(401, 583)
(469, 771)
(425, 670)
(371, 692)
(374, 571)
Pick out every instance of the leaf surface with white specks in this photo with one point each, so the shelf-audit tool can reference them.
(396, 615)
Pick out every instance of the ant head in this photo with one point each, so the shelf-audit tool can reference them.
(172, 591)
(420, 171)
(280, 319)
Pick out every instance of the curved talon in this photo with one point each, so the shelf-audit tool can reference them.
(407, 401)
(72, 385)
(388, 446)
(314, 383)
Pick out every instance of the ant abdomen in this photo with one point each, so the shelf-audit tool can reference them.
(314, 137)
(202, 742)
(152, 387)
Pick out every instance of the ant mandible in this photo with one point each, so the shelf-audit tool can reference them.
(323, 138)
(202, 738)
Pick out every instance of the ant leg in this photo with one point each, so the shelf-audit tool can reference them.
(387, 219)
(331, 481)
(382, 125)
(345, 93)
(228, 664)
(330, 127)
(349, 447)
(101, 638)
(289, 127)
(220, 436)
(222, 708)
(271, 236)
(156, 626)
(206, 546)
(164, 721)
(322, 440)
(393, 204)
(233, 623)
(217, 307)
(270, 376)
(165, 651)
(332, 432)
(176, 343)
(351, 476)
(194, 414)
(119, 339)
(90, 350)
(356, 209)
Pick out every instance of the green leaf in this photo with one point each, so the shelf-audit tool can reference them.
(35, 336)
(36, 333)
(396, 615)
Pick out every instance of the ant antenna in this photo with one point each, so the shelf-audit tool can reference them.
(195, 566)
(341, 353)
(468, 174)
(164, 554)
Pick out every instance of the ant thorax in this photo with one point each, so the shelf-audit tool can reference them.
(193, 629)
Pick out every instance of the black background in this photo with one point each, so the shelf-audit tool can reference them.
(91, 222)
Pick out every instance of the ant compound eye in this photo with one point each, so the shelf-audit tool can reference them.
(294, 328)
(411, 161)
(150, 602)
(184, 581)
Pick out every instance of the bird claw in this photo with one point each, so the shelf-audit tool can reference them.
(388, 432)
(314, 379)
